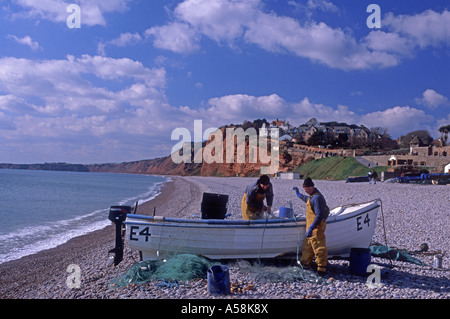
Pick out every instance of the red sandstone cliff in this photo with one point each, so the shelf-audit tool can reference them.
(219, 167)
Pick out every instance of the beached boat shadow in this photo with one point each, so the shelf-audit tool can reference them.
(402, 276)
(399, 275)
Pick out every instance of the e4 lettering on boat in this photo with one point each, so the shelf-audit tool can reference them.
(359, 224)
(145, 232)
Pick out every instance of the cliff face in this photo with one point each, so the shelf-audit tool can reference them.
(158, 166)
(217, 167)
(167, 166)
(164, 166)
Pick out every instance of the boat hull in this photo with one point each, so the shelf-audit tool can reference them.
(160, 237)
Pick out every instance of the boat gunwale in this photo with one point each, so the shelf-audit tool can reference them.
(272, 223)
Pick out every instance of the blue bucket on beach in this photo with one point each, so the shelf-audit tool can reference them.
(218, 278)
(285, 212)
(359, 261)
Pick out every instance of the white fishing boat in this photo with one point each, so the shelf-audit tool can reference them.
(156, 237)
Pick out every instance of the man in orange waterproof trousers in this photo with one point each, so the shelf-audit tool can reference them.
(317, 213)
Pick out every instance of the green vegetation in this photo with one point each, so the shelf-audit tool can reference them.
(336, 168)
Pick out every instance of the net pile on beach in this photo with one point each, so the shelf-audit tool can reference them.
(182, 267)
(393, 254)
(187, 267)
(262, 273)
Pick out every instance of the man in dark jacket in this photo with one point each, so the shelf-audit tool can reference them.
(252, 205)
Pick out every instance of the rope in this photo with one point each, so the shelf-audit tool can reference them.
(298, 241)
(303, 271)
(387, 246)
(262, 239)
(384, 230)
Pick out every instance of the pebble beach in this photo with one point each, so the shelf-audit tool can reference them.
(412, 214)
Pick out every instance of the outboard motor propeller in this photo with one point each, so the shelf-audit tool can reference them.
(118, 214)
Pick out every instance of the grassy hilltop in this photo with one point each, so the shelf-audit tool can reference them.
(336, 168)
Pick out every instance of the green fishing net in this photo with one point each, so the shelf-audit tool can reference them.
(263, 273)
(187, 267)
(393, 254)
(182, 267)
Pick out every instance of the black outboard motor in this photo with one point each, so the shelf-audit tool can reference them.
(118, 214)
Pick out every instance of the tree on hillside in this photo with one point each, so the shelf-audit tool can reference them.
(259, 123)
(342, 139)
(381, 140)
(444, 131)
(317, 138)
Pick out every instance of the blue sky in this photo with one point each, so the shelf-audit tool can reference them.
(115, 88)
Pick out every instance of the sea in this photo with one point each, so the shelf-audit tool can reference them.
(43, 209)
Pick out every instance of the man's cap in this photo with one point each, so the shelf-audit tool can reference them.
(264, 179)
(308, 182)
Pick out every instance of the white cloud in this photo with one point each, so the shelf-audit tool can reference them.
(321, 5)
(176, 37)
(399, 120)
(312, 6)
(305, 109)
(220, 20)
(92, 11)
(126, 39)
(388, 42)
(428, 28)
(230, 22)
(432, 99)
(6, 123)
(239, 107)
(235, 108)
(51, 108)
(316, 41)
(26, 40)
(406, 33)
(113, 69)
(14, 105)
(62, 82)
(51, 101)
